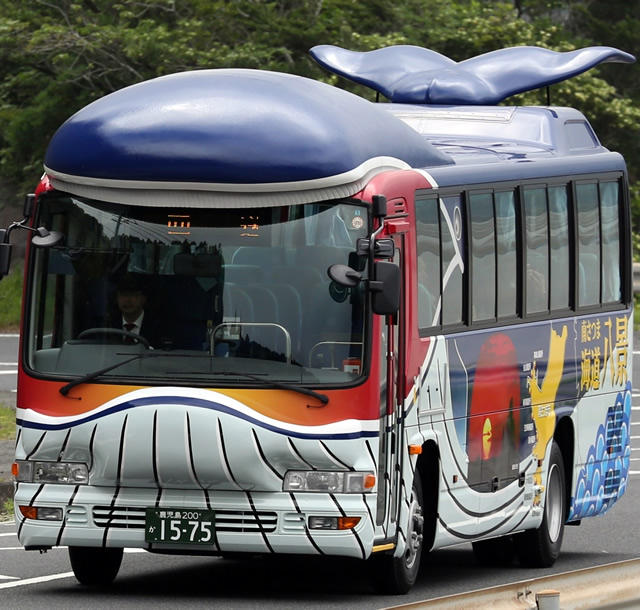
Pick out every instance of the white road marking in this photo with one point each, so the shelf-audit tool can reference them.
(9, 372)
(9, 534)
(34, 581)
(3, 577)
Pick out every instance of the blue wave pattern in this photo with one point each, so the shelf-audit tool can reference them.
(603, 479)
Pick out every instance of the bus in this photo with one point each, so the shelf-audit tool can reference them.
(264, 315)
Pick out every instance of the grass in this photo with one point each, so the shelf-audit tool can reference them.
(10, 298)
(7, 423)
(6, 510)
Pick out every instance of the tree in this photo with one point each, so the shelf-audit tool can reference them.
(57, 56)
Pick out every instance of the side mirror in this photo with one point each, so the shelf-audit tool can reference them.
(385, 297)
(344, 275)
(5, 253)
(46, 239)
(29, 203)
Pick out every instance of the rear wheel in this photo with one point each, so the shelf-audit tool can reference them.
(95, 566)
(540, 548)
(395, 575)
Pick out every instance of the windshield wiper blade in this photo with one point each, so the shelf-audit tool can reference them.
(323, 398)
(64, 390)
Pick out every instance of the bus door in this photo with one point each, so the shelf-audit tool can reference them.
(391, 423)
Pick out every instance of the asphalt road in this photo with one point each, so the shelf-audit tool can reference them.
(8, 367)
(31, 580)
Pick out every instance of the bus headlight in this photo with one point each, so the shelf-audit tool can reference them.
(331, 481)
(64, 473)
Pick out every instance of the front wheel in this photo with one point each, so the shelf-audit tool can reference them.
(95, 566)
(395, 575)
(540, 548)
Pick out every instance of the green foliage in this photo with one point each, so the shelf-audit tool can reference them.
(55, 57)
(6, 510)
(10, 299)
(7, 423)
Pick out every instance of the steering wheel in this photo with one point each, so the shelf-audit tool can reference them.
(116, 332)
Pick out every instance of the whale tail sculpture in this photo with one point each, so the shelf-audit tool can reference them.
(414, 75)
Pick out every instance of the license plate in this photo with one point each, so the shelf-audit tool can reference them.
(179, 526)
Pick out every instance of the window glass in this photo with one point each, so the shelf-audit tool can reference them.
(507, 257)
(216, 293)
(452, 262)
(559, 240)
(537, 249)
(428, 249)
(483, 257)
(610, 223)
(588, 244)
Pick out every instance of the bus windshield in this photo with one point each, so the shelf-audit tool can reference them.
(227, 296)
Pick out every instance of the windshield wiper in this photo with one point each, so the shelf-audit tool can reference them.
(64, 390)
(323, 398)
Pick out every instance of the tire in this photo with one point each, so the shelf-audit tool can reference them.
(396, 575)
(95, 566)
(494, 552)
(540, 548)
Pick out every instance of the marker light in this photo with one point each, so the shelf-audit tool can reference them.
(65, 473)
(333, 523)
(43, 513)
(329, 481)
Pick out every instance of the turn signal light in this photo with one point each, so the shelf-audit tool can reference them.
(333, 523)
(43, 513)
(347, 523)
(29, 512)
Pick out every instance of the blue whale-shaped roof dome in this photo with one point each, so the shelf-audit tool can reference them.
(230, 126)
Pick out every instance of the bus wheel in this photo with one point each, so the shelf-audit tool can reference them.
(495, 552)
(393, 575)
(95, 566)
(540, 548)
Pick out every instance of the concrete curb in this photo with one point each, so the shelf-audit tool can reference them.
(609, 585)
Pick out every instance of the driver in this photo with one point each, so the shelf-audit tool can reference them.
(131, 298)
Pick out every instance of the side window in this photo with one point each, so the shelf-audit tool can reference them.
(559, 242)
(507, 249)
(428, 250)
(451, 230)
(483, 257)
(588, 244)
(536, 250)
(610, 224)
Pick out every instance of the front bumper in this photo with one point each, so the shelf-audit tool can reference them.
(245, 521)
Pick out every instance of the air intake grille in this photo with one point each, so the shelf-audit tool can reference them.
(225, 520)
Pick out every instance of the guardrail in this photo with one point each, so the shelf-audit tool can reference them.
(598, 587)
